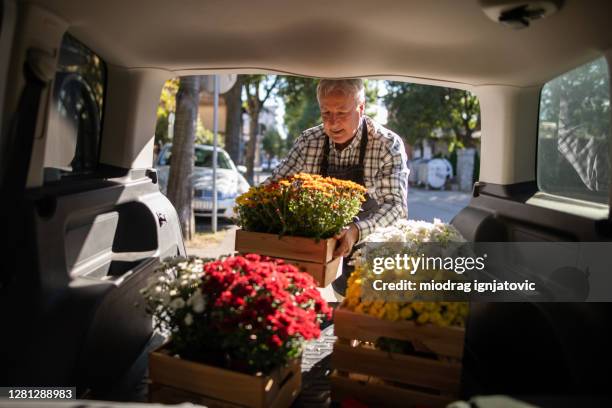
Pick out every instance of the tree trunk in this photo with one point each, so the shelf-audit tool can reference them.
(252, 147)
(251, 86)
(180, 184)
(233, 122)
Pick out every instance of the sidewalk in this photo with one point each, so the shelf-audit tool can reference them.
(225, 247)
(429, 204)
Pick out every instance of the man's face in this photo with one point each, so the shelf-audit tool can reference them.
(341, 115)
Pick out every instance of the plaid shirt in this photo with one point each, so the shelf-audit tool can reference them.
(385, 169)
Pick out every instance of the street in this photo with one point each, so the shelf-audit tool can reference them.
(429, 204)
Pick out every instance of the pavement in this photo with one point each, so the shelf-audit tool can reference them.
(214, 250)
(429, 204)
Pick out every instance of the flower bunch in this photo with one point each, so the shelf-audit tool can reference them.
(250, 313)
(413, 235)
(438, 313)
(417, 232)
(302, 205)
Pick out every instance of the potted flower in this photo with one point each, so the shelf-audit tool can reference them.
(234, 323)
(296, 219)
(410, 351)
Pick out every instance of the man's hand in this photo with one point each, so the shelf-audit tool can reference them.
(346, 239)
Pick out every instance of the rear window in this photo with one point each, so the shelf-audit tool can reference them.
(574, 134)
(75, 118)
(203, 158)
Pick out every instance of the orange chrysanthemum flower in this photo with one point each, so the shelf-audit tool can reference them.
(303, 204)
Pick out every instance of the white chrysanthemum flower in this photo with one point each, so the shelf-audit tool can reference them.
(197, 302)
(413, 233)
(177, 303)
(188, 319)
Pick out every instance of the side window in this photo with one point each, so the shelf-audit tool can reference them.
(75, 117)
(202, 158)
(574, 134)
(224, 161)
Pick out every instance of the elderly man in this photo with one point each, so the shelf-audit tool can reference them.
(351, 146)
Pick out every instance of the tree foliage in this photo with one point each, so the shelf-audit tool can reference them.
(574, 132)
(167, 105)
(371, 95)
(273, 145)
(581, 96)
(417, 112)
(206, 136)
(302, 108)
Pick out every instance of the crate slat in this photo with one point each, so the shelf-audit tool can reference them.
(314, 258)
(382, 395)
(383, 378)
(287, 247)
(164, 394)
(445, 341)
(323, 274)
(215, 383)
(429, 373)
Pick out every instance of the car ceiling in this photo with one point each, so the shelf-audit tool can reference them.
(448, 40)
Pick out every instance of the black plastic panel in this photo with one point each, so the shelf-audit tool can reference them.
(532, 349)
(73, 307)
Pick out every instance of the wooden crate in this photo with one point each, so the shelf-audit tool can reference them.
(312, 257)
(174, 380)
(431, 377)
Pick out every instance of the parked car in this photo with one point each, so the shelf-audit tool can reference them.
(230, 182)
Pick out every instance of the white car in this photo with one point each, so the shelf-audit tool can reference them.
(230, 183)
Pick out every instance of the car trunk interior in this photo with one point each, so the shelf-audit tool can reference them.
(85, 245)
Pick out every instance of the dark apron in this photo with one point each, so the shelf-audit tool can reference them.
(353, 173)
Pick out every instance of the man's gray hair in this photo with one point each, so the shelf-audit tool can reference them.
(346, 86)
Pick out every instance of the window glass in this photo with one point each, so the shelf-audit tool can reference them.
(203, 158)
(75, 119)
(574, 134)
